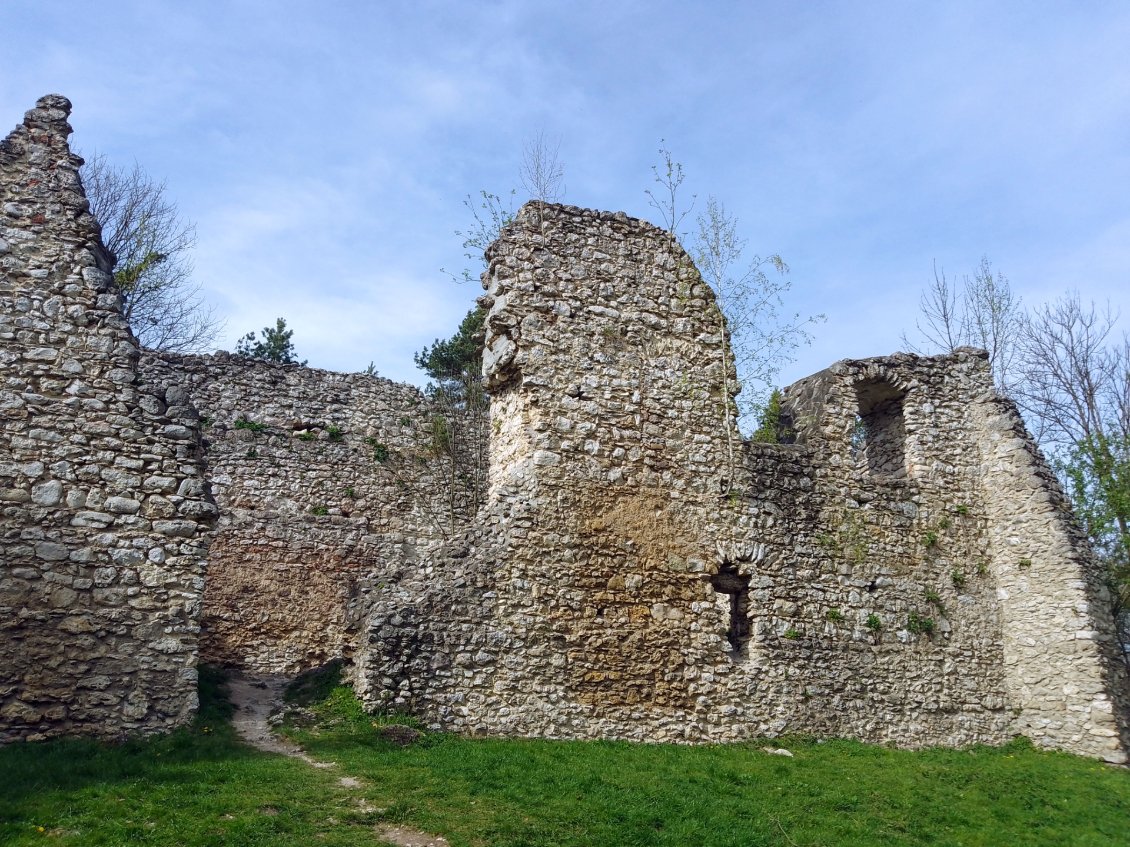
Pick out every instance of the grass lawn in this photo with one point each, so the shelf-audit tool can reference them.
(200, 787)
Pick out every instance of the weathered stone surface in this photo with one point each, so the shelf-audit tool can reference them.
(907, 571)
(77, 654)
(322, 479)
(634, 574)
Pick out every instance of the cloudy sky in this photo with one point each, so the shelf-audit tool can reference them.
(324, 148)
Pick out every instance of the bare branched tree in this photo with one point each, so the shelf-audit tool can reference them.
(941, 324)
(151, 242)
(1075, 373)
(669, 174)
(543, 174)
(980, 311)
(489, 214)
(994, 316)
(761, 339)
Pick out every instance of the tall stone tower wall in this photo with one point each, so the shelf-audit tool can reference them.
(103, 508)
(639, 573)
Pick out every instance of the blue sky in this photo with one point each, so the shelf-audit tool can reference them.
(324, 148)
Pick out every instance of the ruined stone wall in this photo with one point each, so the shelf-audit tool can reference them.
(103, 510)
(906, 571)
(637, 576)
(990, 555)
(1060, 651)
(322, 479)
(599, 358)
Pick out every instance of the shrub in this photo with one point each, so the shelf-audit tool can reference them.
(770, 430)
(920, 625)
(243, 423)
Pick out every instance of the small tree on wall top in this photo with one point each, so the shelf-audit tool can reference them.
(759, 335)
(274, 345)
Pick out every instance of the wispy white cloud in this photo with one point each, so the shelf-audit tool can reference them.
(324, 150)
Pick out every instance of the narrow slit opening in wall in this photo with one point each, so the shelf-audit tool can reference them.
(729, 581)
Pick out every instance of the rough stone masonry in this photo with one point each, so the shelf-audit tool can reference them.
(906, 570)
(103, 504)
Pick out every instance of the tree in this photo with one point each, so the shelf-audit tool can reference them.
(274, 346)
(770, 429)
(459, 357)
(458, 433)
(543, 173)
(1074, 381)
(142, 228)
(669, 174)
(1096, 472)
(757, 340)
(760, 339)
(489, 215)
(458, 398)
(981, 312)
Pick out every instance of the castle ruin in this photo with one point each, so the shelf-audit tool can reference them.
(906, 570)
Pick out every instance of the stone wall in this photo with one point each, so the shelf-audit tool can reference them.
(993, 554)
(636, 575)
(322, 479)
(906, 570)
(103, 510)
(1060, 650)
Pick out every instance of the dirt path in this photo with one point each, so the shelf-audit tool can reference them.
(256, 698)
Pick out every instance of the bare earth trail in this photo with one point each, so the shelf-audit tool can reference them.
(256, 698)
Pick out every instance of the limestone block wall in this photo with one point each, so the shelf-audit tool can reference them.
(322, 479)
(906, 570)
(103, 508)
(1060, 651)
(633, 575)
(999, 566)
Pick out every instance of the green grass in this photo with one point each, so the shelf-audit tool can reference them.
(199, 787)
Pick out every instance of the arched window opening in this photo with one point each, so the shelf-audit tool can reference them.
(729, 581)
(879, 434)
